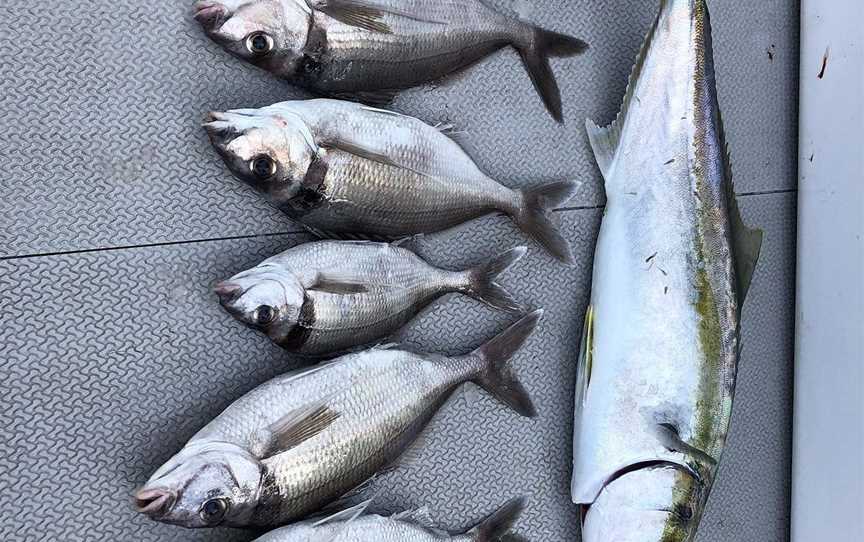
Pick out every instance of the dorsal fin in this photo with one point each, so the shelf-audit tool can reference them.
(346, 515)
(604, 141)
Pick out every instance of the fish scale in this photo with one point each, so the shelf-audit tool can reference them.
(429, 203)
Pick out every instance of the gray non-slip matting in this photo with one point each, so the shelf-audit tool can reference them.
(111, 359)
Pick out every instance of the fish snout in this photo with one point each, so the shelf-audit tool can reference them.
(154, 502)
(227, 292)
(211, 15)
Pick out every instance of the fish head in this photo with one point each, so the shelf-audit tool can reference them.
(203, 486)
(269, 149)
(270, 34)
(266, 298)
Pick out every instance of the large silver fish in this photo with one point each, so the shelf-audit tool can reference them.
(368, 49)
(345, 169)
(301, 441)
(327, 296)
(672, 267)
(414, 526)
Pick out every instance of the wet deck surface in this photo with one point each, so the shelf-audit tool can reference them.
(117, 218)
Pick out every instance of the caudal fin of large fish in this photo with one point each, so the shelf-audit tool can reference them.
(497, 526)
(533, 217)
(497, 376)
(484, 286)
(536, 54)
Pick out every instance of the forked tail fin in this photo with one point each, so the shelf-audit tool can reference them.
(546, 44)
(484, 286)
(533, 217)
(497, 527)
(497, 376)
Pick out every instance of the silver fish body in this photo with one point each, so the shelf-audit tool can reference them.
(672, 266)
(343, 169)
(328, 296)
(413, 526)
(301, 441)
(368, 49)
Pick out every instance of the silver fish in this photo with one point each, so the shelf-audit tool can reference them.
(369, 49)
(303, 440)
(673, 264)
(344, 169)
(328, 296)
(414, 526)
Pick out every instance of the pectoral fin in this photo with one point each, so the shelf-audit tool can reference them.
(335, 284)
(295, 428)
(369, 154)
(354, 13)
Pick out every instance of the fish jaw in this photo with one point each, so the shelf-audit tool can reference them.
(649, 504)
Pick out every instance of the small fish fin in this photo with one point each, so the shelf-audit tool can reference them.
(410, 456)
(536, 56)
(495, 527)
(533, 217)
(335, 284)
(347, 514)
(387, 346)
(668, 436)
(383, 111)
(586, 358)
(378, 97)
(747, 248)
(484, 286)
(295, 428)
(412, 243)
(354, 13)
(605, 141)
(420, 517)
(497, 378)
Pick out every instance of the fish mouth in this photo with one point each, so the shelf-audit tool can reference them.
(154, 502)
(211, 15)
(227, 292)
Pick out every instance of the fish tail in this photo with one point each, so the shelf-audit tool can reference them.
(497, 526)
(483, 284)
(533, 216)
(496, 375)
(536, 53)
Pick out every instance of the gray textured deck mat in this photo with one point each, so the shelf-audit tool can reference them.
(110, 360)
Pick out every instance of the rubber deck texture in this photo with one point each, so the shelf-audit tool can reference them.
(117, 219)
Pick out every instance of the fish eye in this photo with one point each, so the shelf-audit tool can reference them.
(264, 315)
(259, 43)
(213, 511)
(263, 167)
